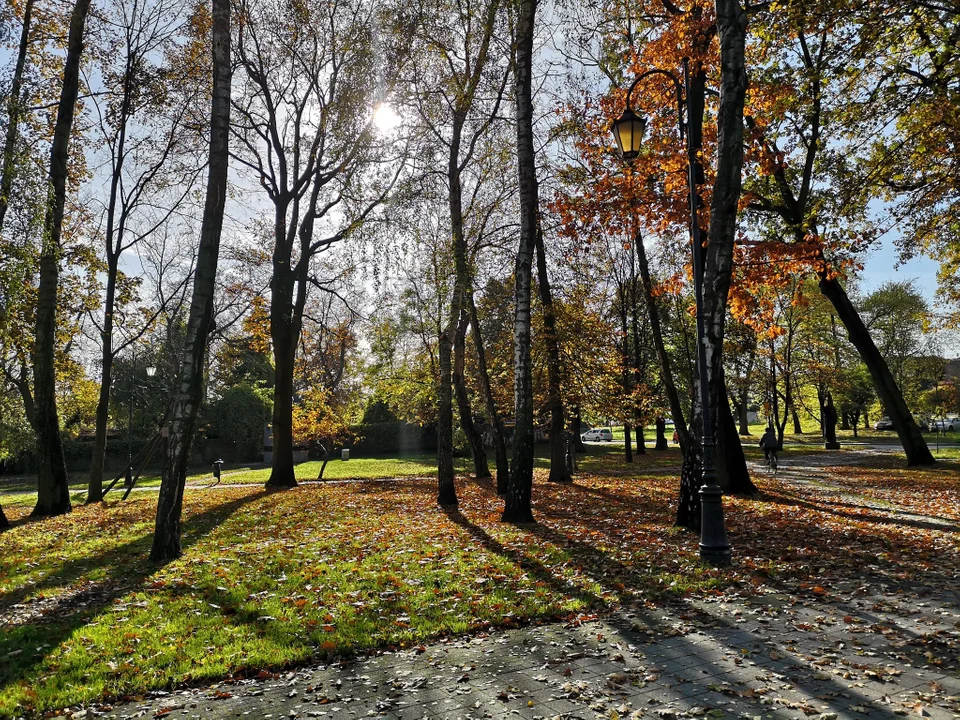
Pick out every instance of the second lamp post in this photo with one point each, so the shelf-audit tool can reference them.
(628, 131)
(151, 371)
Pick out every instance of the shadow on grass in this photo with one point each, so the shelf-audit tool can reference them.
(522, 561)
(23, 645)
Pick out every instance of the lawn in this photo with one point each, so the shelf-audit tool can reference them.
(269, 580)
(357, 468)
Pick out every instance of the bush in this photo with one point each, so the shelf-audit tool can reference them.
(392, 437)
(238, 416)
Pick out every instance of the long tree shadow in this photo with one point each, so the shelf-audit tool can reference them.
(24, 644)
(532, 566)
(726, 633)
(628, 502)
(787, 498)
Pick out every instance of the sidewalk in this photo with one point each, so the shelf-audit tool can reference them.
(892, 653)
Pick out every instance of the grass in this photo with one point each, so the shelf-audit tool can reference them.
(22, 490)
(268, 580)
(421, 464)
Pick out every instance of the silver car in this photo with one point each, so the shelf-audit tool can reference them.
(598, 434)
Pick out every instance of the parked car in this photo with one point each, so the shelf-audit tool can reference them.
(604, 434)
(946, 424)
(884, 423)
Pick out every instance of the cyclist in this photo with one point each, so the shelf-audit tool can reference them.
(769, 445)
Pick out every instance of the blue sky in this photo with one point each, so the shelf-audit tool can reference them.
(881, 265)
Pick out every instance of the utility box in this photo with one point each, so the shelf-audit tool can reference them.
(344, 454)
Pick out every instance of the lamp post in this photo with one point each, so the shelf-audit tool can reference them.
(628, 131)
(151, 371)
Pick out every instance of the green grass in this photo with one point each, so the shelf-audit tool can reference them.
(266, 580)
(371, 468)
(269, 580)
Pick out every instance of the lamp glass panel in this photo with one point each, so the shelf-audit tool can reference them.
(623, 132)
(638, 126)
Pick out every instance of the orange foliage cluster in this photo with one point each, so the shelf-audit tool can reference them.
(603, 195)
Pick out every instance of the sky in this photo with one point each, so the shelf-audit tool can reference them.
(881, 265)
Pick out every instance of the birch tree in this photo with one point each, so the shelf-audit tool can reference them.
(53, 496)
(189, 392)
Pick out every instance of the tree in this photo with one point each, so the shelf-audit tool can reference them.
(53, 496)
(793, 159)
(150, 172)
(910, 114)
(305, 132)
(559, 472)
(895, 314)
(731, 22)
(517, 498)
(14, 113)
(458, 98)
(189, 393)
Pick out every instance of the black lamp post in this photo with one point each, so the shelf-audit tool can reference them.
(628, 131)
(151, 371)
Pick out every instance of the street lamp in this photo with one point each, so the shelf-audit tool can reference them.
(628, 131)
(151, 371)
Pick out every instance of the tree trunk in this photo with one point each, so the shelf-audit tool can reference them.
(732, 473)
(113, 248)
(13, 114)
(559, 472)
(186, 405)
(452, 341)
(743, 414)
(284, 337)
(480, 468)
(795, 416)
(53, 495)
(576, 424)
(718, 256)
(626, 378)
(517, 507)
(641, 444)
(102, 419)
(907, 429)
(656, 330)
(4, 523)
(499, 443)
(688, 504)
(661, 443)
(446, 491)
(742, 409)
(627, 442)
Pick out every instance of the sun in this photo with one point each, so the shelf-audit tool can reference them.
(385, 118)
